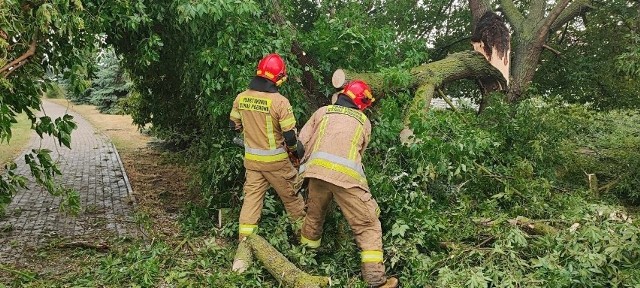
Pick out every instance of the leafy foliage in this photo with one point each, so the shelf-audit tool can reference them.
(598, 59)
(27, 31)
(609, 149)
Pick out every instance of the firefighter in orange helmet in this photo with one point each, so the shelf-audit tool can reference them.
(266, 120)
(336, 137)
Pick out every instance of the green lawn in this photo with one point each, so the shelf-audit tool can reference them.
(21, 133)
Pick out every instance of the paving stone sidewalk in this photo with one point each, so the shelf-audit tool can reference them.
(92, 167)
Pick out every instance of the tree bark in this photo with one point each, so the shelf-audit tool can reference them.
(16, 63)
(281, 269)
(530, 35)
(427, 77)
(478, 8)
(243, 258)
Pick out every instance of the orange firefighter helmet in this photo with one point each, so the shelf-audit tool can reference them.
(360, 94)
(272, 67)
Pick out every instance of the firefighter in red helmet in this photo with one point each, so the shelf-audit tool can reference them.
(266, 120)
(336, 137)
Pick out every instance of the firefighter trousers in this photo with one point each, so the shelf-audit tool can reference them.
(255, 187)
(361, 211)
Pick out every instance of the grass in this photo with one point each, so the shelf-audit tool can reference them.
(21, 133)
(124, 135)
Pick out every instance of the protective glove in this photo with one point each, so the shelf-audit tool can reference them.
(295, 154)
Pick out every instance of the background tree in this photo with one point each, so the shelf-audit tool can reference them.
(595, 59)
(110, 84)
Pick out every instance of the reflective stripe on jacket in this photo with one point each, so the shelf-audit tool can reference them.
(335, 138)
(263, 117)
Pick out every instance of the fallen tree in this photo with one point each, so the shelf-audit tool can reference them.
(495, 72)
(280, 268)
(427, 77)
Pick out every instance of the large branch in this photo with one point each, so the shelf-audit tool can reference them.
(16, 62)
(281, 269)
(551, 18)
(513, 15)
(575, 9)
(427, 77)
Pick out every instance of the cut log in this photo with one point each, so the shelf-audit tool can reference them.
(281, 269)
(243, 259)
(341, 77)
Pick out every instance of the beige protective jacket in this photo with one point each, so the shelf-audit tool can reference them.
(335, 138)
(263, 117)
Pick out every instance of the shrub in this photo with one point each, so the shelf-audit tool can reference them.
(610, 149)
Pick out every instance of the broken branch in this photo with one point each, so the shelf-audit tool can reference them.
(100, 247)
(30, 52)
(551, 49)
(533, 227)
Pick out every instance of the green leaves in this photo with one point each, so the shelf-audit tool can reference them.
(60, 128)
(399, 229)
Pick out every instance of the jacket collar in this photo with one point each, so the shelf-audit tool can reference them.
(262, 85)
(345, 101)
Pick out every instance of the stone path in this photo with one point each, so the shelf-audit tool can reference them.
(94, 169)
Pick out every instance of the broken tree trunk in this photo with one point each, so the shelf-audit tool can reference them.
(426, 77)
(281, 269)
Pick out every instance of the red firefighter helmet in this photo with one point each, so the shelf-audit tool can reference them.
(360, 94)
(273, 68)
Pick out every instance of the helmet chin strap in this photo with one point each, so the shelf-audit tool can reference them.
(282, 80)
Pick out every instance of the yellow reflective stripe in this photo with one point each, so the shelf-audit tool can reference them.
(310, 243)
(337, 167)
(247, 229)
(265, 158)
(272, 138)
(371, 256)
(235, 114)
(354, 143)
(323, 126)
(291, 121)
